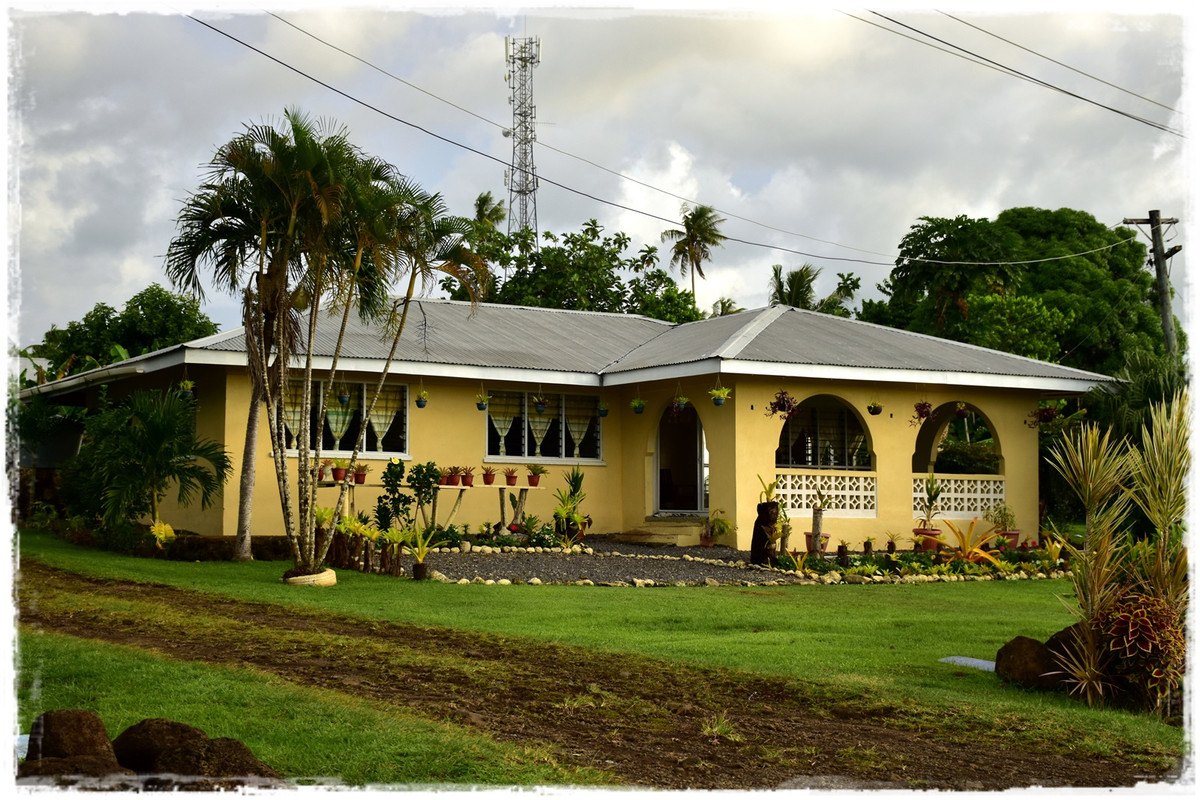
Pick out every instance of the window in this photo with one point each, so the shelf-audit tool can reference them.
(386, 431)
(568, 427)
(823, 433)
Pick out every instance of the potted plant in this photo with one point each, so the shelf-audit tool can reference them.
(1002, 517)
(422, 398)
(925, 532)
(443, 475)
(340, 467)
(468, 475)
(638, 405)
(539, 403)
(360, 473)
(452, 475)
(185, 389)
(536, 471)
(874, 408)
(602, 409)
(343, 395)
(921, 411)
(719, 395)
(678, 404)
(892, 538)
(510, 476)
(784, 404)
(326, 463)
(961, 411)
(714, 528)
(420, 544)
(843, 553)
(868, 546)
(481, 400)
(489, 475)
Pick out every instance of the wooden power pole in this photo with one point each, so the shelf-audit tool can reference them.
(1160, 270)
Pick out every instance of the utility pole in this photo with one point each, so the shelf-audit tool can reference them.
(1160, 270)
(522, 56)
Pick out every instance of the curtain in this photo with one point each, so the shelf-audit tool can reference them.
(502, 410)
(292, 413)
(579, 413)
(390, 401)
(541, 422)
(339, 416)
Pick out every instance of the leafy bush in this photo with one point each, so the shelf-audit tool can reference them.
(966, 458)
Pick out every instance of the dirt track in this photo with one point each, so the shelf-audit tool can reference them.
(639, 718)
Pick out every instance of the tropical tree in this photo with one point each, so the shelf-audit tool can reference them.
(693, 242)
(724, 306)
(158, 447)
(798, 290)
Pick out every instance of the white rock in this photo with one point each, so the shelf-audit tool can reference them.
(589, 551)
(477, 579)
(584, 582)
(462, 581)
(535, 581)
(489, 582)
(464, 546)
(711, 582)
(576, 549)
(504, 582)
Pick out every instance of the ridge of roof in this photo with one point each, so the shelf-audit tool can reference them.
(761, 320)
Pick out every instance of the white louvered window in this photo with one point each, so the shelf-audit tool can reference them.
(567, 427)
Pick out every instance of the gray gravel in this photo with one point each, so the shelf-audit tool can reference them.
(611, 563)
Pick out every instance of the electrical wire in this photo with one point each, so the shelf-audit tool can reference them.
(600, 200)
(1059, 63)
(1015, 73)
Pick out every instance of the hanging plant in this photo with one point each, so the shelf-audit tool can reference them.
(1042, 415)
(784, 404)
(638, 405)
(422, 397)
(343, 395)
(921, 411)
(961, 411)
(719, 395)
(874, 409)
(602, 409)
(678, 404)
(482, 399)
(539, 403)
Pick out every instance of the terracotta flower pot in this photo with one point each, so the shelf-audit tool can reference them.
(928, 537)
(468, 480)
(360, 477)
(339, 474)
(489, 478)
(453, 480)
(533, 479)
(510, 480)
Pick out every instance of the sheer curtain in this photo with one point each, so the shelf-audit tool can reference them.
(541, 422)
(391, 400)
(292, 413)
(503, 409)
(579, 413)
(339, 416)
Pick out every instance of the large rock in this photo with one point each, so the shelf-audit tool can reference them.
(67, 733)
(1028, 662)
(162, 747)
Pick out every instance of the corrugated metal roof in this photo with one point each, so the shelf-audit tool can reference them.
(519, 337)
(781, 334)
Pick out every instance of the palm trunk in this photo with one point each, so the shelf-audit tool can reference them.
(241, 549)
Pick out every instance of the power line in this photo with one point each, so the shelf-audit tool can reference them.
(1016, 73)
(612, 203)
(1059, 63)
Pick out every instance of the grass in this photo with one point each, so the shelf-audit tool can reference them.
(861, 644)
(340, 735)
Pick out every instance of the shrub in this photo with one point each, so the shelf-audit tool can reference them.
(966, 458)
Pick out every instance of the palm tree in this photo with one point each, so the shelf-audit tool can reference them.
(489, 211)
(724, 307)
(694, 242)
(267, 194)
(160, 447)
(798, 290)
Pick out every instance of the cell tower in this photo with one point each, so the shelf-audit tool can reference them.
(522, 56)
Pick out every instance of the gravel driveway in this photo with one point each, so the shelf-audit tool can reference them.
(609, 564)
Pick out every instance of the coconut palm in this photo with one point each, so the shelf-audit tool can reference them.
(798, 290)
(724, 307)
(695, 240)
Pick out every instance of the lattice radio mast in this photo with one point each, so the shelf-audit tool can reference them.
(522, 56)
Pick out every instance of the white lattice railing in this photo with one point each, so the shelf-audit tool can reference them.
(963, 496)
(847, 494)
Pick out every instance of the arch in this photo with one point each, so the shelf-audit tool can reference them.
(681, 462)
(825, 432)
(942, 424)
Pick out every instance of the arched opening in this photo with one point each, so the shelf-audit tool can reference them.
(682, 461)
(824, 433)
(957, 439)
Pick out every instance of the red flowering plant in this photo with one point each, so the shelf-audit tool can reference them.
(784, 404)
(921, 411)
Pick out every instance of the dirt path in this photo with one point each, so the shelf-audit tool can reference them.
(641, 719)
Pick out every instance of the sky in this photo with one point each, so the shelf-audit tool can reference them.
(821, 136)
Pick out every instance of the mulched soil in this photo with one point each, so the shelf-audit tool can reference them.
(643, 720)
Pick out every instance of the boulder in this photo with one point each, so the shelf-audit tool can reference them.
(1028, 662)
(67, 733)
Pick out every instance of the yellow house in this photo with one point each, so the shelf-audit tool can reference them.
(855, 432)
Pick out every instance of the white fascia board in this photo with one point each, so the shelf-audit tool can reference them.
(459, 371)
(837, 373)
(937, 378)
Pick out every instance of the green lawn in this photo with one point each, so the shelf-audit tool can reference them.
(878, 643)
